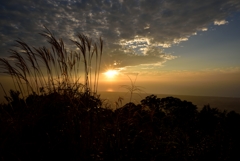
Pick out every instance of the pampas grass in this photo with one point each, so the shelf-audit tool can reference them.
(132, 88)
(55, 69)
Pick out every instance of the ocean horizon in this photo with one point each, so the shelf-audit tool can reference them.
(222, 103)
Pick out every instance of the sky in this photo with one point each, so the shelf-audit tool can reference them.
(186, 47)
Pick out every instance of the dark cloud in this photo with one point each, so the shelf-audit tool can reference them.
(120, 22)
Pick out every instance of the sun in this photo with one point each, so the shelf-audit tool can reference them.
(111, 73)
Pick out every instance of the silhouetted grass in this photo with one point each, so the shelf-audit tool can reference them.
(55, 69)
(132, 88)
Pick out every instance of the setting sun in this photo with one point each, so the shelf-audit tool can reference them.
(111, 73)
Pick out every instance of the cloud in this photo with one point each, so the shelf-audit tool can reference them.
(204, 29)
(221, 22)
(128, 58)
(130, 28)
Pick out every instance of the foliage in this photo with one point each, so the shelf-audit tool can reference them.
(54, 126)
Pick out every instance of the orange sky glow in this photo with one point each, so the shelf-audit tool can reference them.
(168, 47)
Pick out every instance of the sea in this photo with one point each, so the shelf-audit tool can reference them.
(117, 99)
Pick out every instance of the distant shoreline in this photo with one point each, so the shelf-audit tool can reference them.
(172, 94)
(222, 103)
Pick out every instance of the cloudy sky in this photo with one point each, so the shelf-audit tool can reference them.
(189, 47)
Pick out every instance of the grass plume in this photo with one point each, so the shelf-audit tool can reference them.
(54, 69)
(132, 88)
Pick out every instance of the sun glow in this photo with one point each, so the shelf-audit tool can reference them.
(111, 73)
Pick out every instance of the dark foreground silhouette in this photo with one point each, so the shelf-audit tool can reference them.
(54, 126)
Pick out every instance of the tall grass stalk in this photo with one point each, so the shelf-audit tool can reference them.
(132, 88)
(55, 69)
